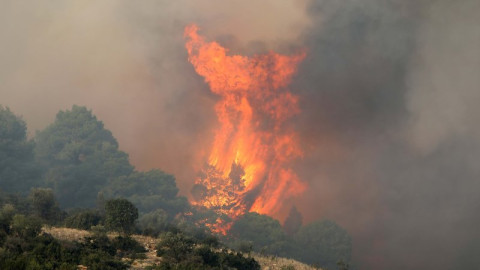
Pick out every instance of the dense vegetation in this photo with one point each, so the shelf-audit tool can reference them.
(73, 174)
(24, 246)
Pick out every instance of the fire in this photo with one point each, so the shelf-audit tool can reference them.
(248, 166)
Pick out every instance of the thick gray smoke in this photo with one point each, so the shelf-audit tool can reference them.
(389, 96)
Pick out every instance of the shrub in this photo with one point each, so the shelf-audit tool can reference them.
(325, 243)
(175, 247)
(128, 247)
(287, 267)
(153, 223)
(120, 215)
(25, 227)
(44, 205)
(83, 220)
(262, 231)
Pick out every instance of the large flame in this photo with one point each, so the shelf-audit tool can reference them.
(248, 167)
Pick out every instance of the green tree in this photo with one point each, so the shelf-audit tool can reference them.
(44, 205)
(120, 215)
(175, 247)
(324, 243)
(25, 227)
(265, 233)
(80, 155)
(153, 223)
(148, 191)
(18, 170)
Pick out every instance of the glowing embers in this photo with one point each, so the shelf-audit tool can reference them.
(248, 168)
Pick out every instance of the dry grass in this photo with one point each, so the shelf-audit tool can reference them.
(66, 234)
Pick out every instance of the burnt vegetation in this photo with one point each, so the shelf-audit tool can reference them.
(72, 174)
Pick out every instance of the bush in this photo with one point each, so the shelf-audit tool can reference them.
(287, 267)
(98, 261)
(98, 243)
(25, 227)
(128, 247)
(120, 215)
(6, 215)
(238, 261)
(44, 205)
(83, 220)
(262, 231)
(324, 243)
(175, 247)
(179, 251)
(153, 223)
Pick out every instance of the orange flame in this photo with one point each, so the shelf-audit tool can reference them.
(248, 167)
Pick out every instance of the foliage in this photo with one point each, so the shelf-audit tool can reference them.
(44, 205)
(42, 252)
(6, 216)
(120, 215)
(20, 204)
(98, 252)
(148, 191)
(324, 243)
(179, 251)
(18, 170)
(238, 261)
(264, 232)
(175, 247)
(80, 156)
(83, 219)
(128, 247)
(99, 242)
(153, 223)
(25, 227)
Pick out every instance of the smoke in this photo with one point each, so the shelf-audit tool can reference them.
(388, 94)
(127, 62)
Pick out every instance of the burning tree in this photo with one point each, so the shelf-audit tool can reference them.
(248, 168)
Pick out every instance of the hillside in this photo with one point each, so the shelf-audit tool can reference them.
(266, 262)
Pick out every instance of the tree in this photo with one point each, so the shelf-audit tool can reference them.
(120, 215)
(175, 247)
(153, 223)
(324, 243)
(44, 205)
(264, 232)
(18, 170)
(25, 227)
(148, 191)
(293, 222)
(80, 155)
